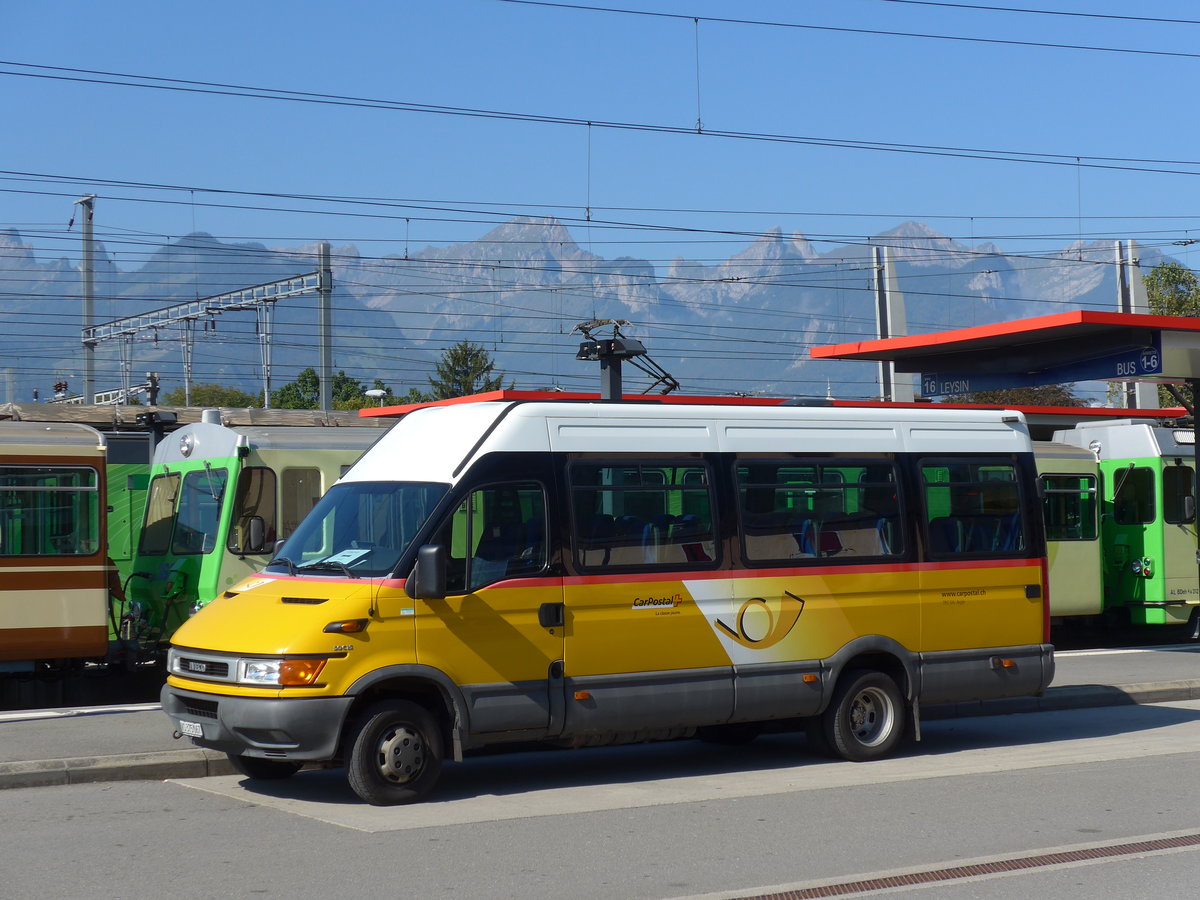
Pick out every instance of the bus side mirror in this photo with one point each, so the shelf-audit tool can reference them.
(427, 581)
(255, 535)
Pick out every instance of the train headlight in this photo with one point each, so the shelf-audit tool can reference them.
(281, 672)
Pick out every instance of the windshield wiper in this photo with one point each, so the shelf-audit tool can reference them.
(287, 562)
(330, 565)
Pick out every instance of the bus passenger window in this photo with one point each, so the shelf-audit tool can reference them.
(840, 509)
(642, 514)
(972, 507)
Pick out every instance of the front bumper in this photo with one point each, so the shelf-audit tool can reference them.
(304, 729)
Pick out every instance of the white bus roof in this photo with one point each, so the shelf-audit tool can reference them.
(435, 444)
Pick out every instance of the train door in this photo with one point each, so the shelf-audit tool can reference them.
(1070, 507)
(1181, 593)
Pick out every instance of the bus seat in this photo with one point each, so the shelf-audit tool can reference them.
(497, 548)
(689, 534)
(944, 535)
(806, 537)
(654, 535)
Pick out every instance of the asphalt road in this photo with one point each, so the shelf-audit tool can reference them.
(1110, 790)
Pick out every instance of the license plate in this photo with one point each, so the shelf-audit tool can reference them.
(191, 729)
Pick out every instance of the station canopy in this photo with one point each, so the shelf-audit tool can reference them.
(1067, 347)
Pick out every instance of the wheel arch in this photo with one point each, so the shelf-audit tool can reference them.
(876, 653)
(429, 687)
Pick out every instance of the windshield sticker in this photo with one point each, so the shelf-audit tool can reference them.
(347, 556)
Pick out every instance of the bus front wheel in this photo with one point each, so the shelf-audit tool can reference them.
(865, 719)
(395, 754)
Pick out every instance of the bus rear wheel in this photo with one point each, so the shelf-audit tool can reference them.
(865, 719)
(395, 754)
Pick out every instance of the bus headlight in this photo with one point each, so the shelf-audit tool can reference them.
(281, 672)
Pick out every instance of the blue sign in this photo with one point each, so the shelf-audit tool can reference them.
(1127, 365)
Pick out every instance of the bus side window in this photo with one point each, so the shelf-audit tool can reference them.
(645, 513)
(498, 532)
(972, 507)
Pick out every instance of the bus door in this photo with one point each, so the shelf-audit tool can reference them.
(640, 652)
(498, 633)
(823, 539)
(980, 586)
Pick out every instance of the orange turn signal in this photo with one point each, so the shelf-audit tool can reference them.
(349, 626)
(300, 672)
(809, 678)
(583, 695)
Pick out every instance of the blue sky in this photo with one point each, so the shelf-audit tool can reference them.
(598, 66)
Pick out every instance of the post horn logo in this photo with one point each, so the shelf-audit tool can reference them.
(763, 623)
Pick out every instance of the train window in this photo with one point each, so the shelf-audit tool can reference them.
(160, 515)
(842, 509)
(199, 515)
(1133, 496)
(255, 500)
(49, 511)
(1069, 507)
(642, 514)
(301, 491)
(497, 532)
(1179, 504)
(972, 507)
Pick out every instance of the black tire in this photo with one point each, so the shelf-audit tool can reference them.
(395, 753)
(865, 719)
(732, 735)
(264, 769)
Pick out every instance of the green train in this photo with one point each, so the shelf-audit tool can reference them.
(219, 499)
(1120, 510)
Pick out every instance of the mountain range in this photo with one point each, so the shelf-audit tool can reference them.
(741, 324)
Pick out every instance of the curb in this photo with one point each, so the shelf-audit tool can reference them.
(200, 763)
(1082, 696)
(196, 763)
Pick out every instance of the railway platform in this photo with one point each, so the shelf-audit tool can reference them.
(134, 741)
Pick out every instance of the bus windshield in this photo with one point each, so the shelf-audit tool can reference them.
(360, 528)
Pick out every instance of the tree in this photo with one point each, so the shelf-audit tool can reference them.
(305, 392)
(1041, 395)
(212, 395)
(1173, 290)
(464, 369)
